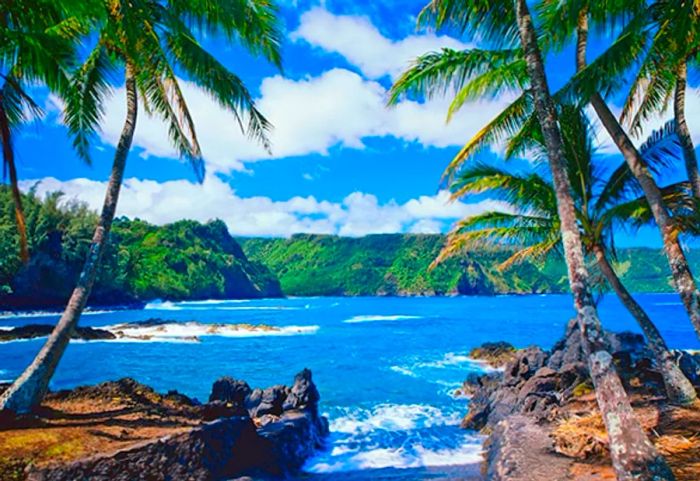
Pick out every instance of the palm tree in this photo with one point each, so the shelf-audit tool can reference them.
(508, 23)
(603, 74)
(662, 77)
(34, 49)
(149, 39)
(603, 200)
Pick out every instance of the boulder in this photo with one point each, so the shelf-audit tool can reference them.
(272, 401)
(689, 364)
(303, 394)
(524, 365)
(230, 390)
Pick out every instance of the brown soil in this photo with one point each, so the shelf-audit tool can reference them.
(674, 430)
(91, 420)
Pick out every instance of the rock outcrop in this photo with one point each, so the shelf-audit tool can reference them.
(32, 331)
(518, 406)
(257, 432)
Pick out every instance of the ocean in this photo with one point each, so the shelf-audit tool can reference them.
(386, 367)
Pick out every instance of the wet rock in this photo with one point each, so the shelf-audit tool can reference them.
(294, 437)
(32, 331)
(303, 394)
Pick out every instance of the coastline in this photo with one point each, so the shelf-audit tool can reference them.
(413, 347)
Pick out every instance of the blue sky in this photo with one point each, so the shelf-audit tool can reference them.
(342, 163)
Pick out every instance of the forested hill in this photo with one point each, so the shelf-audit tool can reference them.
(397, 264)
(184, 260)
(189, 260)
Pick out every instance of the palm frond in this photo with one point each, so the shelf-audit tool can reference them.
(446, 71)
(226, 88)
(504, 125)
(491, 20)
(84, 100)
(254, 23)
(527, 191)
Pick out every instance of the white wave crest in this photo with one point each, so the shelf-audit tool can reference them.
(452, 359)
(403, 370)
(392, 417)
(377, 318)
(192, 331)
(411, 454)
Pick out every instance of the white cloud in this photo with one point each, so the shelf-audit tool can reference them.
(310, 115)
(363, 45)
(357, 214)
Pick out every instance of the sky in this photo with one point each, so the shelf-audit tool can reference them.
(341, 163)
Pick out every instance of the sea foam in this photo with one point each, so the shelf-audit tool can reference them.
(378, 318)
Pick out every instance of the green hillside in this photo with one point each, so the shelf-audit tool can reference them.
(397, 264)
(183, 260)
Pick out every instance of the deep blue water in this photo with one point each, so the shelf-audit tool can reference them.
(386, 367)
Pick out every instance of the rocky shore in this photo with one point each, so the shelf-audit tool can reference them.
(151, 329)
(540, 414)
(126, 431)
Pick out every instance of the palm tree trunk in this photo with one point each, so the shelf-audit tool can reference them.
(680, 270)
(633, 456)
(678, 387)
(29, 389)
(682, 130)
(9, 159)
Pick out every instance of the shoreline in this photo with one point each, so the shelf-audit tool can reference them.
(124, 430)
(92, 309)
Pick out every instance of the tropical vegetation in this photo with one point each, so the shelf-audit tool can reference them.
(605, 199)
(146, 41)
(515, 64)
(142, 262)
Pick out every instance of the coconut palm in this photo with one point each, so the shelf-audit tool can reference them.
(34, 49)
(603, 76)
(508, 24)
(662, 77)
(145, 41)
(604, 200)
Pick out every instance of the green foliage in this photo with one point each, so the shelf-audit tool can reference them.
(184, 260)
(390, 264)
(397, 264)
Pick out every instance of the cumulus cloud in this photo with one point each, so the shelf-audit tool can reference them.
(310, 115)
(357, 214)
(363, 45)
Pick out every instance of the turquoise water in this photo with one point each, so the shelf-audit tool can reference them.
(386, 367)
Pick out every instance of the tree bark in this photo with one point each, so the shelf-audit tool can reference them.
(633, 456)
(9, 158)
(29, 389)
(678, 387)
(680, 270)
(683, 132)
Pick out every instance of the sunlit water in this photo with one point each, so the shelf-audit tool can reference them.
(386, 367)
